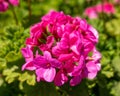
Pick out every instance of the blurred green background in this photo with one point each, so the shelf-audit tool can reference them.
(13, 32)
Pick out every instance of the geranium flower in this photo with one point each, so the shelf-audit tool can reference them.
(4, 4)
(94, 11)
(60, 47)
(46, 66)
(28, 55)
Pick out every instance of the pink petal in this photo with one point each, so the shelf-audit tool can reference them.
(91, 12)
(47, 55)
(40, 61)
(92, 69)
(96, 55)
(64, 41)
(83, 25)
(14, 2)
(65, 57)
(93, 33)
(75, 49)
(27, 53)
(28, 66)
(81, 64)
(39, 73)
(69, 66)
(55, 63)
(49, 74)
(75, 80)
(50, 41)
(75, 42)
(98, 65)
(60, 78)
(3, 6)
(92, 75)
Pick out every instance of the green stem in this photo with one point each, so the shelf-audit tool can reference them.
(29, 8)
(103, 17)
(14, 14)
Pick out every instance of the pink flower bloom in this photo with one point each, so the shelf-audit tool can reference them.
(91, 70)
(3, 6)
(78, 72)
(35, 34)
(61, 78)
(62, 75)
(48, 45)
(28, 55)
(117, 1)
(76, 80)
(93, 11)
(46, 66)
(14, 2)
(107, 8)
(93, 65)
(58, 49)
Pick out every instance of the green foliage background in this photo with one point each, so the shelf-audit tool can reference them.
(14, 82)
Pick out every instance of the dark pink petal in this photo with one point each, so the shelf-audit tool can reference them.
(60, 78)
(60, 30)
(50, 41)
(27, 53)
(83, 25)
(29, 41)
(64, 42)
(40, 61)
(69, 66)
(55, 63)
(75, 42)
(65, 57)
(3, 6)
(93, 34)
(49, 74)
(48, 45)
(79, 68)
(36, 29)
(75, 80)
(57, 50)
(88, 47)
(28, 66)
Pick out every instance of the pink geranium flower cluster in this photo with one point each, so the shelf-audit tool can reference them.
(62, 48)
(4, 4)
(94, 11)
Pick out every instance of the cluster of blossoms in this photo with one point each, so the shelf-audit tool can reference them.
(4, 4)
(117, 1)
(94, 11)
(62, 48)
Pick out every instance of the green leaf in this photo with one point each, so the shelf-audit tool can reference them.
(11, 56)
(31, 80)
(115, 91)
(116, 64)
(2, 63)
